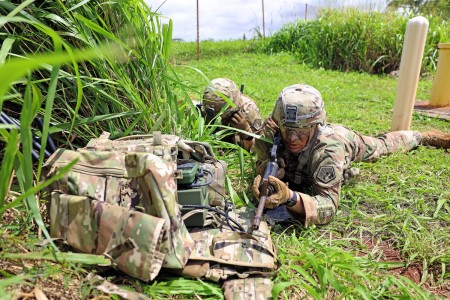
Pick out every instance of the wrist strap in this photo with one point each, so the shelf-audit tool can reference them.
(291, 202)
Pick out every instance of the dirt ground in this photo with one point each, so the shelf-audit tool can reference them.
(413, 271)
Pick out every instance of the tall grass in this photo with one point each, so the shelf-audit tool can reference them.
(120, 95)
(351, 39)
(84, 67)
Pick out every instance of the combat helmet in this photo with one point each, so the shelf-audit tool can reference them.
(212, 98)
(299, 105)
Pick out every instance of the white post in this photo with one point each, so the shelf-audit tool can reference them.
(440, 91)
(410, 64)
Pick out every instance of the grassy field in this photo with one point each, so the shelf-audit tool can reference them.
(390, 238)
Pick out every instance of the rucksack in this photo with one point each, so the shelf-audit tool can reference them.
(158, 202)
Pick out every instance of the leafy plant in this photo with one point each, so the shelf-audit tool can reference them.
(355, 40)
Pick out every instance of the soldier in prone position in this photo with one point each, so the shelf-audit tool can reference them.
(318, 155)
(245, 116)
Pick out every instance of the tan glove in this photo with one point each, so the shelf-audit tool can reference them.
(280, 196)
(239, 121)
(255, 187)
(227, 115)
(270, 128)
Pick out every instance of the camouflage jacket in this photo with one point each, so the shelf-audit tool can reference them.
(318, 171)
(251, 112)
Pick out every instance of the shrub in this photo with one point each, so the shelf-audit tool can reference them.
(355, 40)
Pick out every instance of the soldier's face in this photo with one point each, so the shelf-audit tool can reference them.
(295, 139)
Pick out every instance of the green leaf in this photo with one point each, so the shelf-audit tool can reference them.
(18, 279)
(305, 274)
(6, 47)
(82, 258)
(8, 163)
(279, 287)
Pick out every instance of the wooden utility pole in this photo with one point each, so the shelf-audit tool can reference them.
(263, 21)
(306, 11)
(198, 34)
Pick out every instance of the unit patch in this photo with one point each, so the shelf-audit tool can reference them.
(326, 174)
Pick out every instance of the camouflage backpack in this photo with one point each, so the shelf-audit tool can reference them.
(158, 202)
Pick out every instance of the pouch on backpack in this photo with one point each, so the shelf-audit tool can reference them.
(140, 182)
(131, 238)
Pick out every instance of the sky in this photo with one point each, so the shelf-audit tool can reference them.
(232, 19)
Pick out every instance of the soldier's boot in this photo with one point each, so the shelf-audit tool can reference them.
(436, 138)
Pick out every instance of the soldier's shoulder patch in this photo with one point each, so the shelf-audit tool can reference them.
(326, 174)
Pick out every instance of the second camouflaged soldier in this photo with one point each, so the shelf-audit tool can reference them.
(317, 155)
(245, 116)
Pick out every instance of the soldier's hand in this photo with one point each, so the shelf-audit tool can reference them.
(270, 127)
(255, 187)
(349, 173)
(281, 194)
(239, 121)
(225, 118)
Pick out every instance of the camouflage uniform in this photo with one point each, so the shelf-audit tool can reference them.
(318, 170)
(213, 99)
(251, 111)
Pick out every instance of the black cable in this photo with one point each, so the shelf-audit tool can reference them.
(5, 119)
(194, 185)
(227, 216)
(219, 212)
(50, 142)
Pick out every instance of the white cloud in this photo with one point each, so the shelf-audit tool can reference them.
(222, 20)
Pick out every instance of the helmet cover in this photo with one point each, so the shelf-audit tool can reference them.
(219, 88)
(299, 105)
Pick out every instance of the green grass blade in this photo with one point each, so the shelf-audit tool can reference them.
(47, 115)
(6, 47)
(81, 258)
(8, 163)
(32, 191)
(279, 287)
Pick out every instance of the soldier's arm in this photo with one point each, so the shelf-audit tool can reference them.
(318, 209)
(247, 144)
(321, 206)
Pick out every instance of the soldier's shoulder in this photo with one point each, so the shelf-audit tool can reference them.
(328, 144)
(249, 103)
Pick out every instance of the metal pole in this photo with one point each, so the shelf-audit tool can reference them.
(198, 34)
(263, 21)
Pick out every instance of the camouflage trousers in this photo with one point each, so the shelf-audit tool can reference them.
(370, 148)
